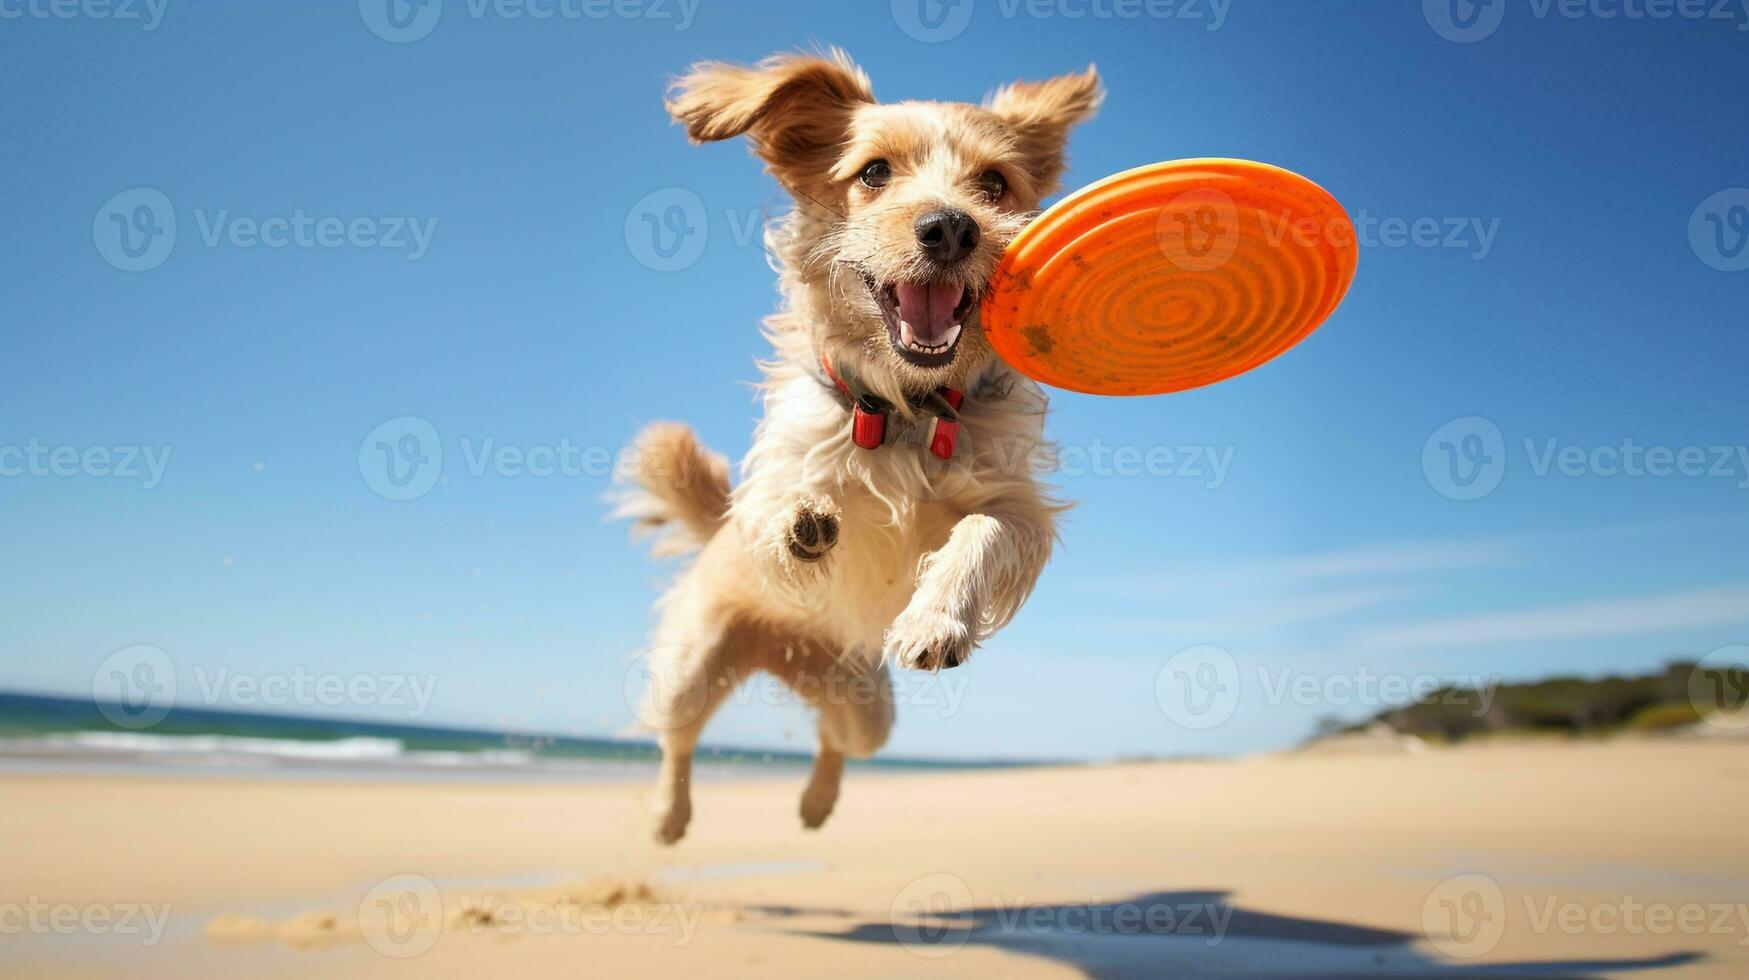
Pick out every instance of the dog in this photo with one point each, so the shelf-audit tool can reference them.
(889, 510)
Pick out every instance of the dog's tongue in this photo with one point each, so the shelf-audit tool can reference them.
(928, 308)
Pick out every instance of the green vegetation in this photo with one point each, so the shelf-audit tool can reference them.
(1671, 699)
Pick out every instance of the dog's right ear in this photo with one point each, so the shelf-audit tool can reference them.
(795, 109)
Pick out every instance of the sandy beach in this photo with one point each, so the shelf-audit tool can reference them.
(1528, 858)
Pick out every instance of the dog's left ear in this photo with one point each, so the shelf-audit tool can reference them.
(1041, 115)
(795, 109)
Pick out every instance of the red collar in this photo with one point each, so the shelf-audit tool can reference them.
(870, 415)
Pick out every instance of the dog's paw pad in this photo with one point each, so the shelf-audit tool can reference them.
(811, 535)
(924, 638)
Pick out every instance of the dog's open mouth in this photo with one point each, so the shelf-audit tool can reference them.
(924, 319)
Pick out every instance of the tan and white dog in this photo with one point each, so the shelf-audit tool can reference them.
(918, 536)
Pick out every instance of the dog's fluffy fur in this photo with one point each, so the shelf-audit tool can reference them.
(827, 561)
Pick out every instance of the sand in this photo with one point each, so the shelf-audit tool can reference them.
(1515, 858)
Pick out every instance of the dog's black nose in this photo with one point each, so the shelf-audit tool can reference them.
(947, 235)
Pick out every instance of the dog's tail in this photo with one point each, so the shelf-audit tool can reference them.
(674, 490)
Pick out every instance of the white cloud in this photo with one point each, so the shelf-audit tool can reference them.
(1392, 559)
(1606, 617)
(1253, 618)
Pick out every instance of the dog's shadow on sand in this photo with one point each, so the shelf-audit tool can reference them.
(1188, 934)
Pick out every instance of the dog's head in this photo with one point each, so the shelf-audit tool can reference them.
(902, 210)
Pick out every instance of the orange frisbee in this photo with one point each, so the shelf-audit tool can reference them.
(1170, 277)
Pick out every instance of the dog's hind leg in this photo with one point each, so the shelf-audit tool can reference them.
(685, 685)
(855, 706)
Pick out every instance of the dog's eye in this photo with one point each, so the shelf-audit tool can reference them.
(993, 184)
(877, 174)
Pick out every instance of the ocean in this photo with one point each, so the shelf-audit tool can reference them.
(46, 732)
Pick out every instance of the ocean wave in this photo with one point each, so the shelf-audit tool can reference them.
(238, 751)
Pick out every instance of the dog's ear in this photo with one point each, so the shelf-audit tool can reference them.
(1041, 115)
(795, 109)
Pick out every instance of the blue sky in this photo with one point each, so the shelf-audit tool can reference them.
(461, 245)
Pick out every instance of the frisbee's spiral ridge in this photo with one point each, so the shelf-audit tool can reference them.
(1170, 277)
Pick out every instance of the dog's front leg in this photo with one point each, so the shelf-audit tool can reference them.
(970, 588)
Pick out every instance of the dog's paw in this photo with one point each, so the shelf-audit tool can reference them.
(817, 804)
(930, 635)
(671, 821)
(811, 535)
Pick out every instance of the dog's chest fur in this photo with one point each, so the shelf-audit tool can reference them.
(897, 503)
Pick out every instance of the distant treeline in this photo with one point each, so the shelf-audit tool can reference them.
(1673, 698)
